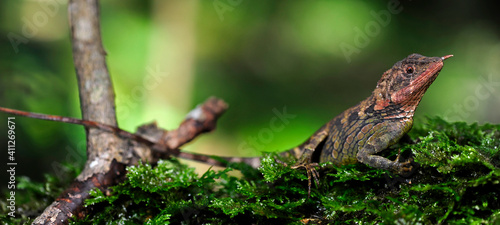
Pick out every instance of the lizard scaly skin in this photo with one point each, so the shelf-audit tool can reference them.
(376, 123)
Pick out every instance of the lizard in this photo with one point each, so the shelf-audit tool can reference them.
(376, 123)
(355, 135)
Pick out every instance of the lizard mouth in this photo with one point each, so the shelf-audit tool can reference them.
(416, 89)
(429, 75)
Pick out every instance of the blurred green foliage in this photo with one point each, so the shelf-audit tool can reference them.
(256, 55)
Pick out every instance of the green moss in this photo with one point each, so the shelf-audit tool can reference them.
(456, 180)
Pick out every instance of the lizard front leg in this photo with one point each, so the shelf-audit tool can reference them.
(305, 160)
(378, 142)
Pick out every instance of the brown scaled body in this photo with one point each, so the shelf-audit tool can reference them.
(376, 123)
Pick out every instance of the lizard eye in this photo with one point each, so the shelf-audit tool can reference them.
(409, 69)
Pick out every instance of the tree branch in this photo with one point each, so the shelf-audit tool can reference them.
(108, 153)
(104, 150)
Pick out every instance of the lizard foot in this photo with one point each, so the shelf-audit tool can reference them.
(402, 168)
(311, 173)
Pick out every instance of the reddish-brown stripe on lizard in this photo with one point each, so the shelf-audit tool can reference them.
(376, 123)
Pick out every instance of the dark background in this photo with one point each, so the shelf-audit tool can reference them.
(259, 56)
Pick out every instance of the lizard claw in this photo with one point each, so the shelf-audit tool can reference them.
(402, 168)
(311, 173)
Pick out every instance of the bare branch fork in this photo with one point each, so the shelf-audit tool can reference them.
(109, 149)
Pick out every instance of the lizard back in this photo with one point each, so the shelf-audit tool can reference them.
(350, 131)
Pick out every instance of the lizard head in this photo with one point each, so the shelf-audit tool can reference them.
(406, 82)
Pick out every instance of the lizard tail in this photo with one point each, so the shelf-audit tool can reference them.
(254, 162)
(294, 152)
(211, 160)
